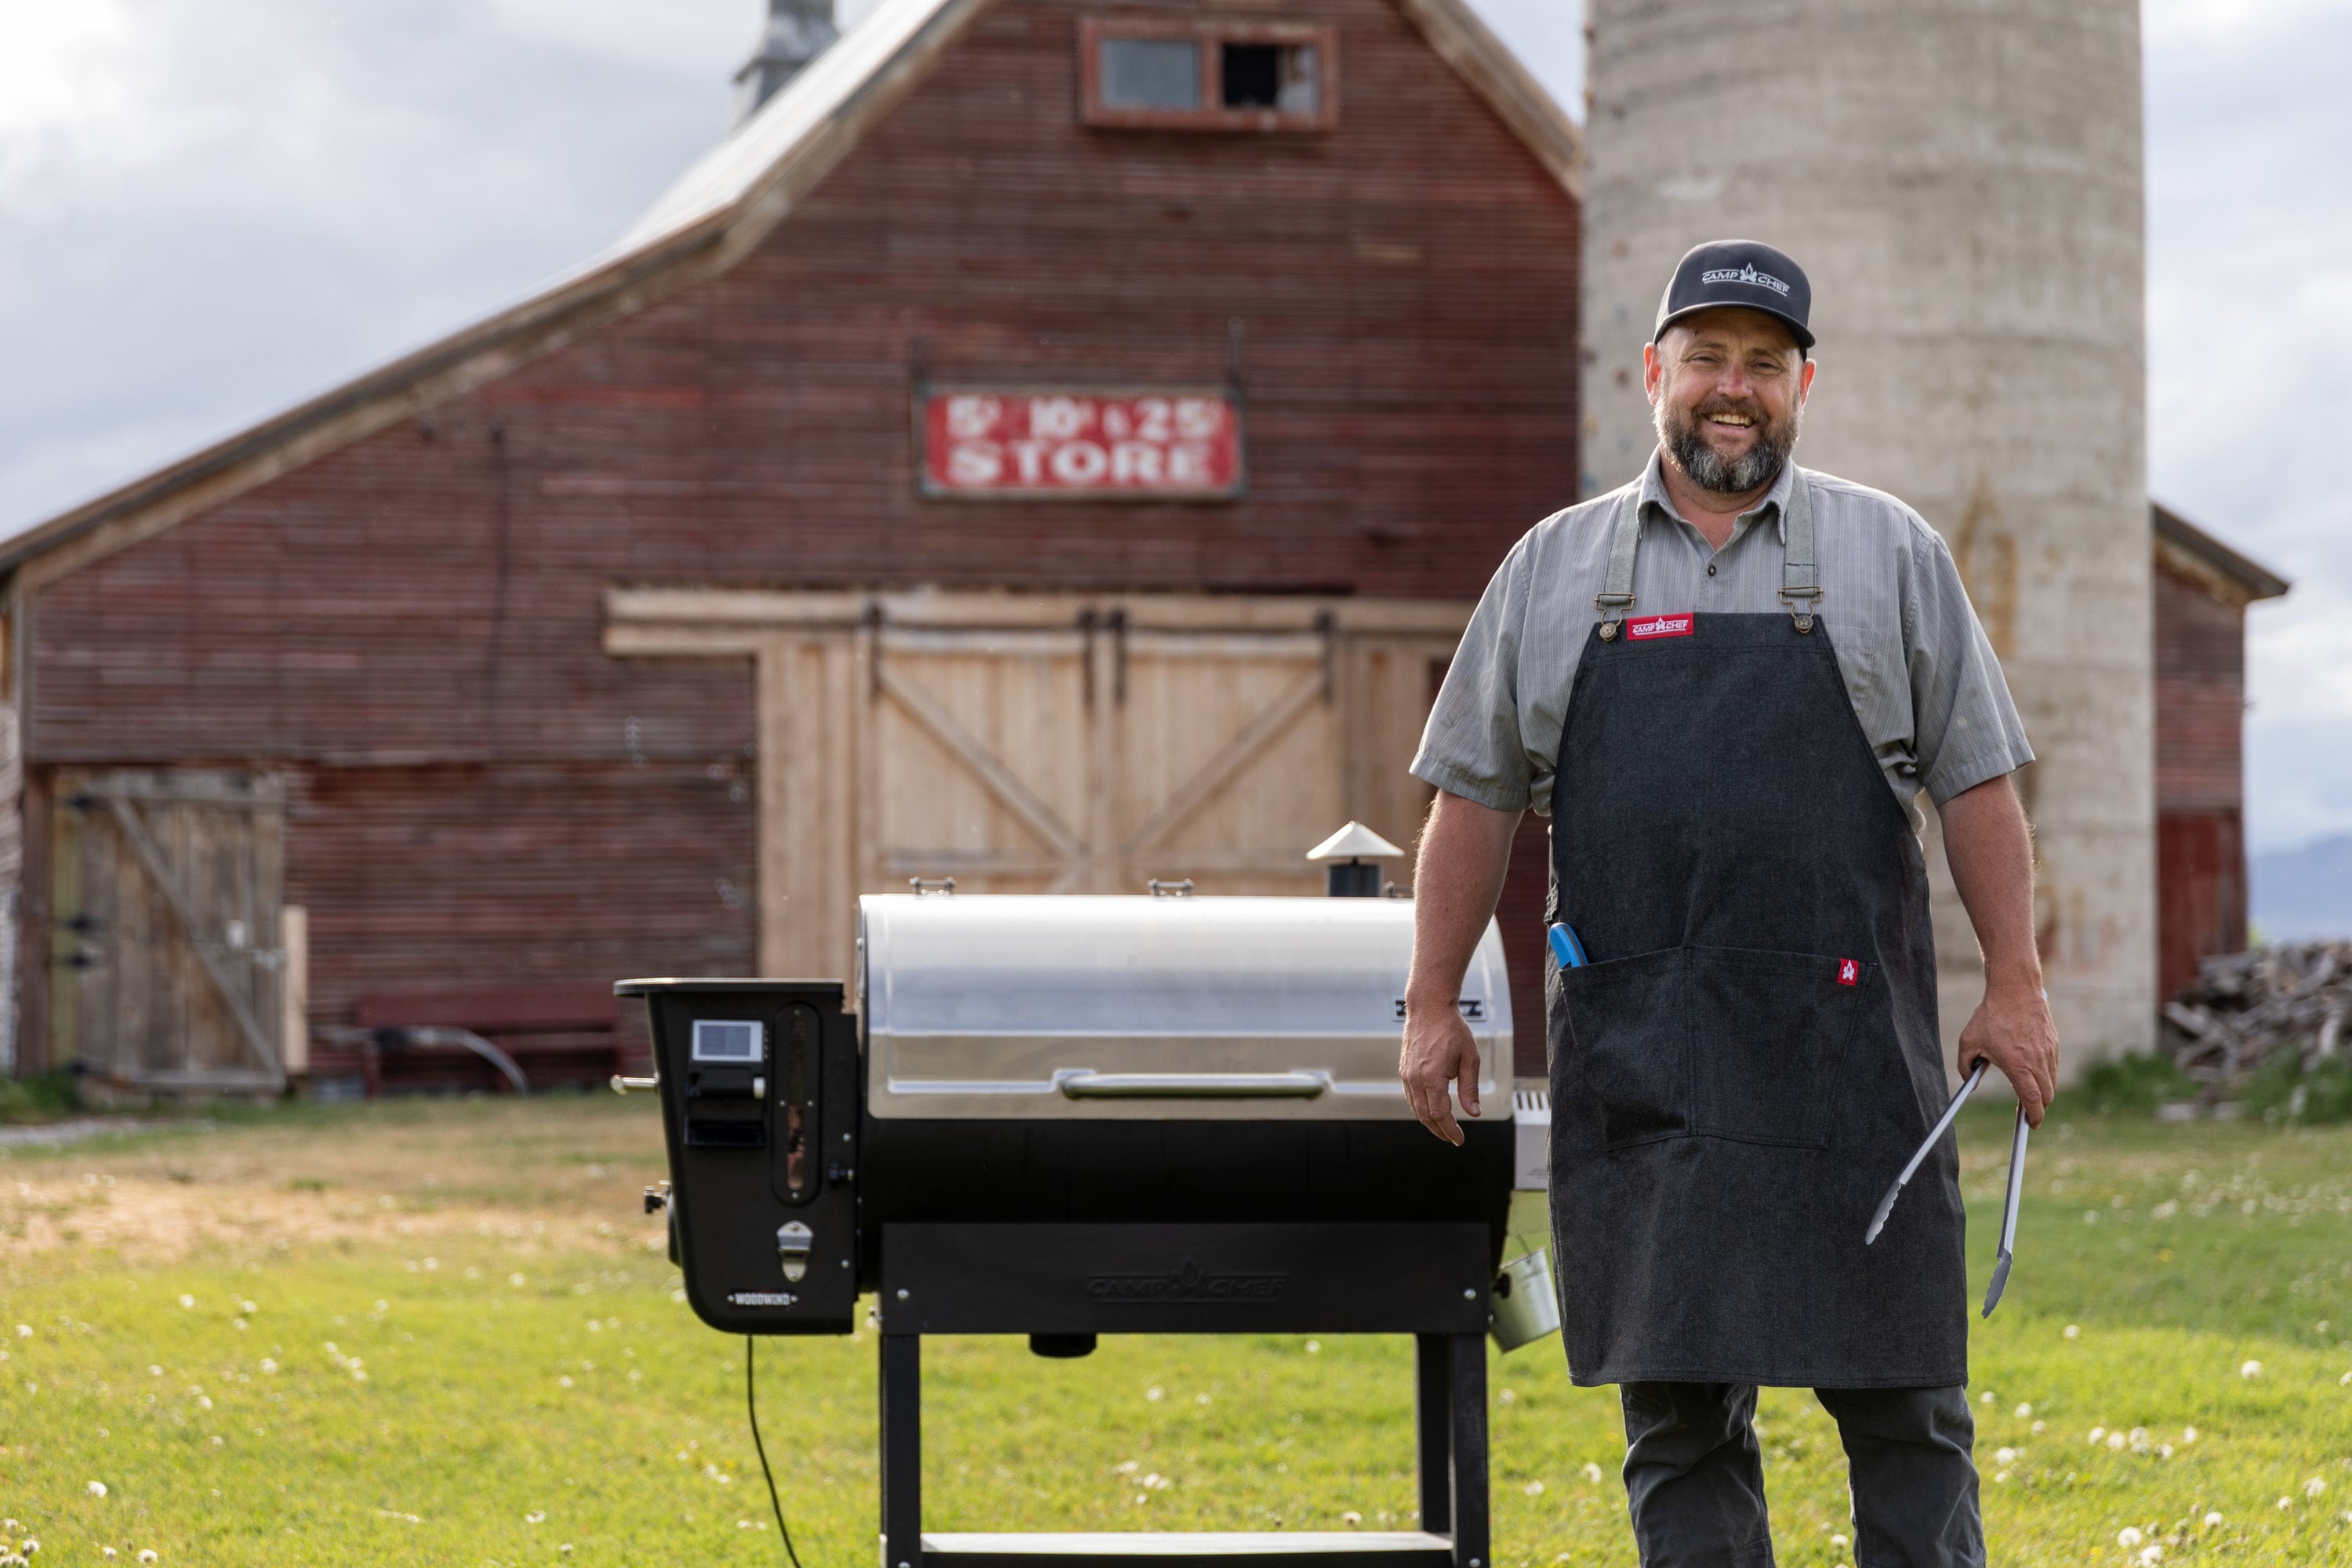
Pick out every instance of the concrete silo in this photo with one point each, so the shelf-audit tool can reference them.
(1963, 184)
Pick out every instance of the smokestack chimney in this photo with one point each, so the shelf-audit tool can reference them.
(797, 32)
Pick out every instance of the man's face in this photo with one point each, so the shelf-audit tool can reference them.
(1728, 387)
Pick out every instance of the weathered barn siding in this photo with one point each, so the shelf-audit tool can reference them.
(2201, 699)
(409, 626)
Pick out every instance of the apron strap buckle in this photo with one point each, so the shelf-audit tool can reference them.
(1605, 603)
(1803, 613)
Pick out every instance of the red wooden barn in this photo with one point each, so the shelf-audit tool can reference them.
(2202, 589)
(1051, 443)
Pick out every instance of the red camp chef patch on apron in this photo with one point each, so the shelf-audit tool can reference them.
(1849, 971)
(1660, 626)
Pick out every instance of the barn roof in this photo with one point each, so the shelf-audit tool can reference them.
(722, 206)
(2219, 570)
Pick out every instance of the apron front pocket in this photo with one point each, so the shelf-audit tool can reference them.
(1767, 1030)
(1629, 1044)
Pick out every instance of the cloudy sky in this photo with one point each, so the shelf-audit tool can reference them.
(209, 211)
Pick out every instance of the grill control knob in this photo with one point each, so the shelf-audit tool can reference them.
(793, 1240)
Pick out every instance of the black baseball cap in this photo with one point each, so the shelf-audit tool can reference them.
(1745, 273)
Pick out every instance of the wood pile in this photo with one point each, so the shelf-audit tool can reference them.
(2245, 1009)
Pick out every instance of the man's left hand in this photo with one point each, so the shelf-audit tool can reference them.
(2012, 1029)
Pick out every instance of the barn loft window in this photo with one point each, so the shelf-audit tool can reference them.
(1148, 73)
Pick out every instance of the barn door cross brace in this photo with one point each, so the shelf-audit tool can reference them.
(1227, 765)
(974, 753)
(158, 870)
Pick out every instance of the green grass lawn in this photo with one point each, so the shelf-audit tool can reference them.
(442, 1332)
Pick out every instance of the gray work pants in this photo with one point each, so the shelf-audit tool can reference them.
(1696, 1477)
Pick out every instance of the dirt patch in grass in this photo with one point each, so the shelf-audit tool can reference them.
(341, 1178)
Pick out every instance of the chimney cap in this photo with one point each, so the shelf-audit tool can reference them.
(1354, 842)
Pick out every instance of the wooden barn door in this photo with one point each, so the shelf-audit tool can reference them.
(166, 958)
(1056, 744)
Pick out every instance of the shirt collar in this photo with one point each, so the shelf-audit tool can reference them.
(1775, 500)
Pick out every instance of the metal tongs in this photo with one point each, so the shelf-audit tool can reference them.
(2016, 1184)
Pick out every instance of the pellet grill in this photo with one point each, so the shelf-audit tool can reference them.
(1065, 1116)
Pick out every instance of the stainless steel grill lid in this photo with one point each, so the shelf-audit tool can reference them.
(1151, 1008)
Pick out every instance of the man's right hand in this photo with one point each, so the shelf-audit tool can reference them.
(1438, 1050)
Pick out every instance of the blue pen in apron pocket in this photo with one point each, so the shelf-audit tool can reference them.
(1567, 949)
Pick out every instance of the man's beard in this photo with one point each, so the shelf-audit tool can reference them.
(1680, 435)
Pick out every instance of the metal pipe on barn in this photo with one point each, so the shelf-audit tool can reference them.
(1964, 187)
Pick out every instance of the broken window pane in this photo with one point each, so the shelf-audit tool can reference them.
(1150, 73)
(1280, 77)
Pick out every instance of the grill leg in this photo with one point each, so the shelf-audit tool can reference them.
(1432, 1420)
(1469, 1477)
(902, 1451)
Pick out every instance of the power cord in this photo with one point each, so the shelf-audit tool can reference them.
(751, 1403)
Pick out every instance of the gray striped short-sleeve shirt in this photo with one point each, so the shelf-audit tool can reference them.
(1923, 680)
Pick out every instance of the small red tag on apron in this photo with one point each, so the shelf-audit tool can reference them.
(1660, 627)
(1849, 971)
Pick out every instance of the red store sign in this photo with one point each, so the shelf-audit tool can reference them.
(1081, 444)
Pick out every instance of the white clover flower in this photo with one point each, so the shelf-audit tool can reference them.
(1129, 1469)
(1535, 1488)
(268, 1365)
(563, 1382)
(2128, 1537)
(2098, 1433)
(2313, 1487)
(2212, 1518)
(1315, 1347)
(1985, 1398)
(2188, 1434)
(1838, 1541)
(2250, 1369)
(147, 1554)
(2024, 1411)
(515, 1282)
(566, 1548)
(1200, 1399)
(2117, 1442)
(1155, 1394)
(248, 1307)
(97, 1488)
(2151, 1555)
(2004, 1456)
(536, 1516)
(2286, 1502)
(187, 1300)
(2074, 1331)
(203, 1402)
(1351, 1519)
(2039, 1428)
(1592, 1471)
(1506, 1397)
(2164, 1450)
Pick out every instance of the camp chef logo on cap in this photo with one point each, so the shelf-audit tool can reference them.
(1660, 627)
(1747, 274)
(1849, 971)
(1187, 1283)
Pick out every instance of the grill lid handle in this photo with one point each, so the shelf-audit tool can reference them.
(1084, 1084)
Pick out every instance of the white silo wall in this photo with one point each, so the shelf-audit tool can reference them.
(1962, 184)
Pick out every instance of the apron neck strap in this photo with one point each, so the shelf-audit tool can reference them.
(1801, 577)
(1616, 595)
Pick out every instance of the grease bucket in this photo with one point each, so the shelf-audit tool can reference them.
(1522, 1308)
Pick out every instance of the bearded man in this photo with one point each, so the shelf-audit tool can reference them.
(1727, 684)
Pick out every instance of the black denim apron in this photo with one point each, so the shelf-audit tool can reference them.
(1752, 1052)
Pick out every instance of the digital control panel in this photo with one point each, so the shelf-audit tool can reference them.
(758, 1095)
